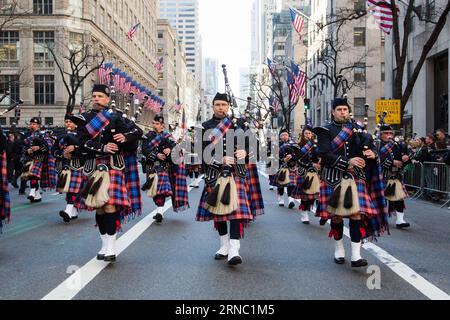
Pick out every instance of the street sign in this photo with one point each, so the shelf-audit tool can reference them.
(392, 107)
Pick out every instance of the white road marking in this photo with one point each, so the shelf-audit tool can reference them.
(402, 270)
(81, 278)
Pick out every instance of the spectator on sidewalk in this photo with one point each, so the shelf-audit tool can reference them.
(441, 139)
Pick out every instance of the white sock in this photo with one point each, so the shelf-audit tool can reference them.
(356, 251)
(74, 212)
(339, 250)
(37, 195)
(400, 216)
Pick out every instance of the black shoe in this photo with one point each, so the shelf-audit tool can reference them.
(402, 225)
(219, 256)
(36, 200)
(322, 222)
(235, 260)
(73, 218)
(339, 260)
(100, 256)
(291, 205)
(31, 198)
(109, 258)
(305, 222)
(197, 187)
(64, 215)
(158, 217)
(359, 263)
(281, 204)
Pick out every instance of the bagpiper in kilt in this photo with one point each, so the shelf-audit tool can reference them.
(287, 173)
(308, 182)
(70, 177)
(347, 188)
(108, 138)
(5, 203)
(164, 177)
(271, 169)
(39, 161)
(194, 163)
(394, 156)
(225, 195)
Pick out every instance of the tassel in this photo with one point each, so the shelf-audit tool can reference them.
(62, 178)
(211, 199)
(282, 176)
(306, 184)
(87, 188)
(226, 195)
(334, 199)
(348, 201)
(389, 191)
(146, 185)
(310, 183)
(96, 186)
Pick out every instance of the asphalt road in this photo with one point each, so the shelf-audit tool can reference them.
(282, 258)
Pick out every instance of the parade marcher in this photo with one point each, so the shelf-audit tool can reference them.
(394, 156)
(164, 177)
(351, 184)
(224, 197)
(106, 138)
(194, 166)
(271, 169)
(308, 182)
(40, 167)
(287, 174)
(70, 178)
(5, 204)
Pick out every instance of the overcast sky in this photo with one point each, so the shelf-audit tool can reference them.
(225, 31)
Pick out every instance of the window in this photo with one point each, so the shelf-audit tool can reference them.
(93, 10)
(48, 121)
(160, 76)
(44, 89)
(160, 35)
(161, 92)
(9, 49)
(359, 103)
(359, 5)
(75, 41)
(43, 40)
(360, 72)
(359, 36)
(383, 74)
(10, 83)
(43, 6)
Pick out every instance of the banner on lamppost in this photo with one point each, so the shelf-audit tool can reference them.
(392, 107)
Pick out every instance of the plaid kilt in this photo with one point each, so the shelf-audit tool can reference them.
(133, 182)
(298, 191)
(293, 176)
(254, 187)
(163, 188)
(367, 207)
(5, 203)
(36, 169)
(243, 212)
(118, 195)
(76, 181)
(179, 186)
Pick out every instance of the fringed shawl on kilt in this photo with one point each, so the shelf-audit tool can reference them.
(5, 204)
(98, 123)
(132, 182)
(159, 137)
(220, 131)
(343, 136)
(254, 190)
(179, 186)
(386, 150)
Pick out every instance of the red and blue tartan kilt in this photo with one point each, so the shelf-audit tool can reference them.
(366, 205)
(254, 190)
(36, 169)
(298, 191)
(79, 201)
(293, 176)
(273, 180)
(76, 181)
(243, 212)
(118, 195)
(163, 188)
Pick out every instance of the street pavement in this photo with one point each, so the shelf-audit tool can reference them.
(282, 258)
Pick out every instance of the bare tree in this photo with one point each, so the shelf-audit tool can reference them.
(435, 17)
(75, 64)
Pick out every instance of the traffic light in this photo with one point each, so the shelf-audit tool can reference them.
(17, 114)
(306, 103)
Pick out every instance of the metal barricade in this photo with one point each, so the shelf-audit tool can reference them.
(414, 178)
(436, 178)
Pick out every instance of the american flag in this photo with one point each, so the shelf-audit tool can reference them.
(133, 31)
(178, 105)
(160, 64)
(297, 20)
(271, 66)
(382, 12)
(103, 73)
(299, 79)
(275, 103)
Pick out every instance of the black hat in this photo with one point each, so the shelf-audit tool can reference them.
(386, 127)
(159, 118)
(283, 131)
(340, 102)
(35, 120)
(101, 88)
(221, 97)
(67, 117)
(78, 119)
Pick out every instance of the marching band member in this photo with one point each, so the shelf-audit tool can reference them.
(224, 197)
(107, 138)
(287, 175)
(194, 166)
(5, 204)
(40, 162)
(164, 177)
(394, 157)
(344, 188)
(308, 183)
(70, 179)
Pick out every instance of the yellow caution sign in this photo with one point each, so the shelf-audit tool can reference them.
(392, 107)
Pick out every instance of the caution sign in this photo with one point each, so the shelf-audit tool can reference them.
(392, 107)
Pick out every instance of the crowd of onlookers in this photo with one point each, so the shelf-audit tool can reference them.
(431, 148)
